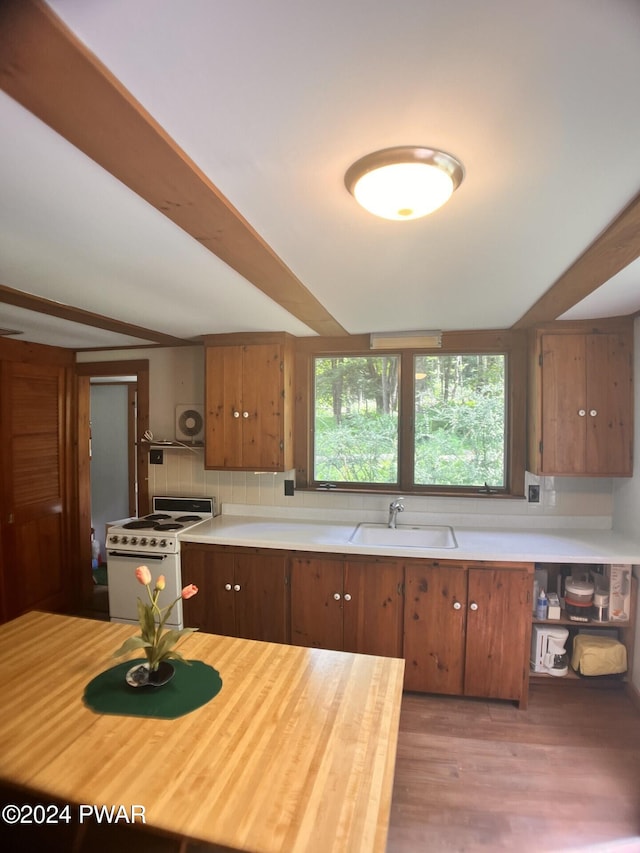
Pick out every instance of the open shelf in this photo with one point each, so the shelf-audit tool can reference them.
(564, 620)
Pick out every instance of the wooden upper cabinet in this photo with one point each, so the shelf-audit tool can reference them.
(582, 391)
(249, 402)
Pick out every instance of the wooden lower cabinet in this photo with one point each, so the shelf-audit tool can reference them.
(241, 592)
(352, 605)
(467, 628)
(463, 628)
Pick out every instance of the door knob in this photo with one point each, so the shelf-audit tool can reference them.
(245, 414)
(582, 412)
(457, 605)
(347, 597)
(593, 412)
(473, 606)
(337, 596)
(236, 587)
(227, 586)
(236, 414)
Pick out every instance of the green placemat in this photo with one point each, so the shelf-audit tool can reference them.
(191, 687)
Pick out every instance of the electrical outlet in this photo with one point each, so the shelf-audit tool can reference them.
(534, 494)
(156, 457)
(288, 488)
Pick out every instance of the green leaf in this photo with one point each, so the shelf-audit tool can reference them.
(130, 645)
(147, 621)
(174, 655)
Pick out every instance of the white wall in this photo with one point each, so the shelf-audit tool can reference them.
(626, 497)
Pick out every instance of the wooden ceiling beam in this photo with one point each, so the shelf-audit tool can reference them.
(614, 249)
(84, 318)
(46, 69)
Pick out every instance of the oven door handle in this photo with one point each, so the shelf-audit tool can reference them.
(135, 555)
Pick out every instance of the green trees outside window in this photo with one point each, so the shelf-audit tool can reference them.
(458, 412)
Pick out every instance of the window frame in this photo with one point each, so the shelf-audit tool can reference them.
(512, 344)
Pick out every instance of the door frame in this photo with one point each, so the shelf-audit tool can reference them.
(84, 372)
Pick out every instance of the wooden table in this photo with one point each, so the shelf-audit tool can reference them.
(296, 753)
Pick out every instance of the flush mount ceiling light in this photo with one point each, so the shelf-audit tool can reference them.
(406, 182)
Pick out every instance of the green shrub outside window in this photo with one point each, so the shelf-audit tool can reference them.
(457, 413)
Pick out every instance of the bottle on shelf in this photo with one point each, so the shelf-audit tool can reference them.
(542, 606)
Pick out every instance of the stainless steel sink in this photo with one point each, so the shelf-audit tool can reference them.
(404, 536)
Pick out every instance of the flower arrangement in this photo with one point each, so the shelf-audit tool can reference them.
(158, 646)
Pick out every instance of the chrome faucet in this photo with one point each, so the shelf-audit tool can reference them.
(395, 507)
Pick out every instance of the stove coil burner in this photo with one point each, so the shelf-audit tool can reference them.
(157, 516)
(185, 518)
(168, 526)
(140, 524)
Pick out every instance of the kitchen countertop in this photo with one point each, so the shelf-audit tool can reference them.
(296, 752)
(501, 544)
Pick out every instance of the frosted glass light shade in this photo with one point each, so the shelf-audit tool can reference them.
(404, 183)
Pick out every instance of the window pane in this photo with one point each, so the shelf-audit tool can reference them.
(460, 420)
(356, 419)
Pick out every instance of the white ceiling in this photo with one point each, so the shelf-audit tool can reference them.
(273, 101)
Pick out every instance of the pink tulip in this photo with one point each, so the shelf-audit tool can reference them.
(143, 575)
(189, 591)
(161, 583)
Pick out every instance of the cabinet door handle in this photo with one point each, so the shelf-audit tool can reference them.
(593, 412)
(473, 606)
(582, 412)
(245, 414)
(337, 596)
(457, 605)
(347, 597)
(236, 587)
(236, 414)
(227, 586)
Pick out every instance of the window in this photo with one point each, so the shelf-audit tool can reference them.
(356, 419)
(460, 416)
(445, 422)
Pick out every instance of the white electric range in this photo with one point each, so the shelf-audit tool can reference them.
(152, 540)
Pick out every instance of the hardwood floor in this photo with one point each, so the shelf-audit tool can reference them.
(477, 775)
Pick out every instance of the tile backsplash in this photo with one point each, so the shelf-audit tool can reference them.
(183, 473)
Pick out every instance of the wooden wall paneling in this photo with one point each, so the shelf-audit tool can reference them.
(34, 456)
(82, 505)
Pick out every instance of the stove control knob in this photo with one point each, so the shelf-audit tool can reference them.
(153, 541)
(124, 540)
(134, 540)
(163, 543)
(113, 539)
(143, 541)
